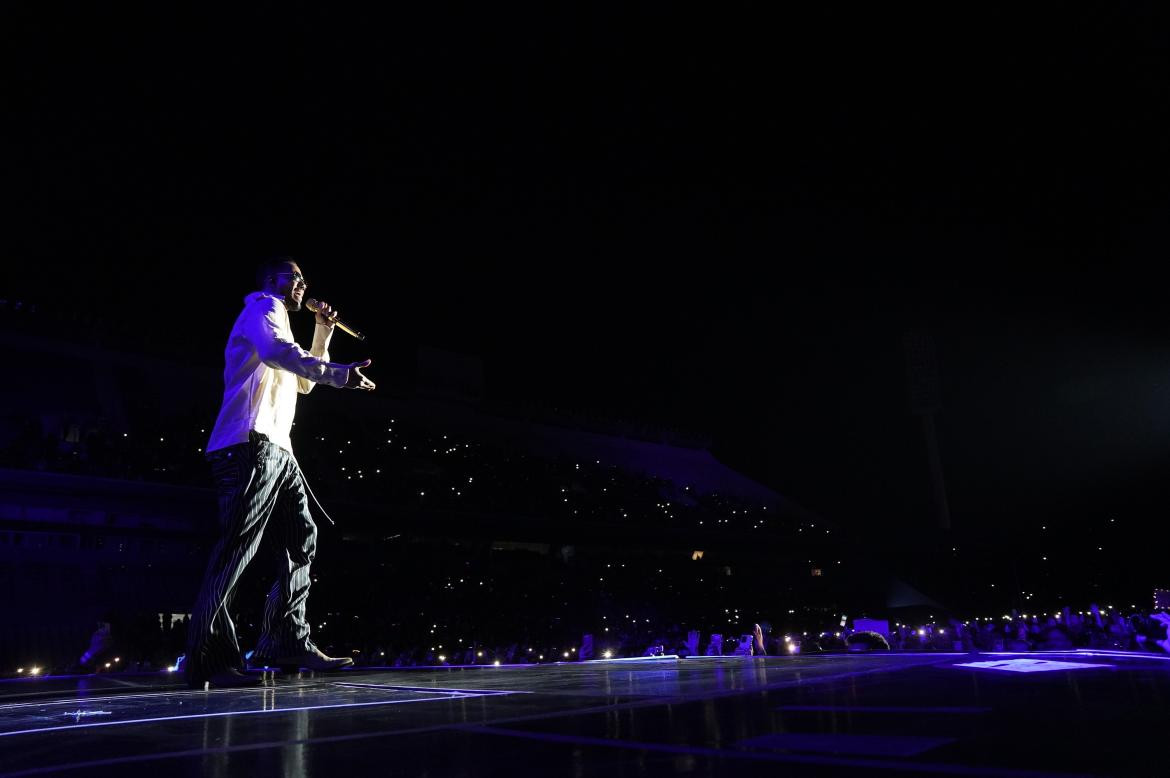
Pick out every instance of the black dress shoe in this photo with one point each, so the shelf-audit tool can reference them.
(226, 679)
(313, 659)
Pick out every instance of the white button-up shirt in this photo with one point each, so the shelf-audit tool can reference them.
(265, 369)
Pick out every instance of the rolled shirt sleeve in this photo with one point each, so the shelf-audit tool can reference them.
(320, 349)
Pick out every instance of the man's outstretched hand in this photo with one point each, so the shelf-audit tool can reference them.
(356, 379)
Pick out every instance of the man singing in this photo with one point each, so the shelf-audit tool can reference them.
(259, 484)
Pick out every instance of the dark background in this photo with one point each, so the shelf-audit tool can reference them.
(722, 220)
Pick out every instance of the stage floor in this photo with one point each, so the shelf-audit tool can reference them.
(1066, 713)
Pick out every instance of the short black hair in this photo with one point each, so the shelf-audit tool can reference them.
(270, 267)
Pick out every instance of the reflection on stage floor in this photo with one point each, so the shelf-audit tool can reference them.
(1035, 714)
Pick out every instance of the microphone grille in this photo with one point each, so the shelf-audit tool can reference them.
(312, 304)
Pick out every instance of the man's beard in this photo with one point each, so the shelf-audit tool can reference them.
(291, 303)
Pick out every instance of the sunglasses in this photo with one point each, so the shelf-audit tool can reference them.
(297, 278)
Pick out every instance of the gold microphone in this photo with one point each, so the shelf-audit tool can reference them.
(315, 306)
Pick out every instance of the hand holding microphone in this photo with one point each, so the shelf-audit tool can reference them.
(326, 315)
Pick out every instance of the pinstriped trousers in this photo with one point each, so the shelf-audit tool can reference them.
(261, 491)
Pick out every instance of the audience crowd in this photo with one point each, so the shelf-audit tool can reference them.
(402, 600)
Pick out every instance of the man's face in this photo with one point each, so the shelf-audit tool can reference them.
(290, 284)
